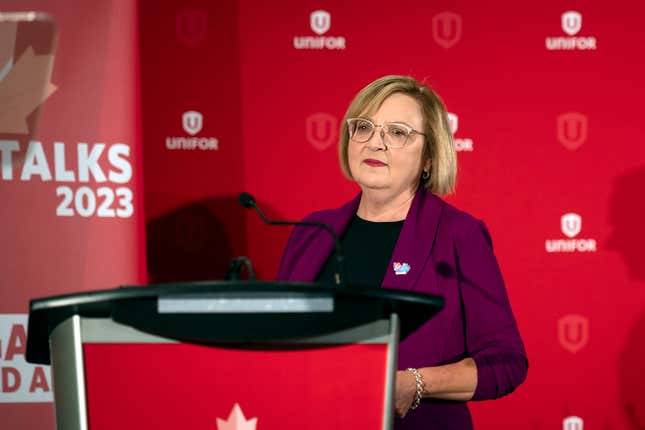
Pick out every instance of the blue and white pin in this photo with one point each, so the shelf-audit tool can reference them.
(401, 268)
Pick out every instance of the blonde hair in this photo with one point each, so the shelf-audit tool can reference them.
(439, 146)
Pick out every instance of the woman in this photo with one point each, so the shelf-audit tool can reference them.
(397, 146)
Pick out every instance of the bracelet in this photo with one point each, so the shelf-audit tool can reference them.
(420, 386)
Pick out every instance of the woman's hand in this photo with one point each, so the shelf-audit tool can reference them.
(404, 392)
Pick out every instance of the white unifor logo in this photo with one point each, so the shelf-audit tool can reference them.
(572, 423)
(453, 122)
(571, 224)
(320, 21)
(571, 22)
(461, 144)
(192, 121)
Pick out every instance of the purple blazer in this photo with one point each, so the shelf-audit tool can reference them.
(450, 254)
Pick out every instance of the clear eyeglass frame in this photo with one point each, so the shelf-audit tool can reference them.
(398, 134)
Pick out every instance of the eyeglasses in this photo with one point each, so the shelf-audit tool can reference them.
(393, 134)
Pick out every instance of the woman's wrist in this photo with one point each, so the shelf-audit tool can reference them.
(419, 387)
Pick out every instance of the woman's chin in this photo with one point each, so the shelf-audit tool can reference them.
(373, 185)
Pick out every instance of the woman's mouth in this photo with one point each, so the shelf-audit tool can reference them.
(374, 163)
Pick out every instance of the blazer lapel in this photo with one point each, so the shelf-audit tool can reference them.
(322, 244)
(415, 241)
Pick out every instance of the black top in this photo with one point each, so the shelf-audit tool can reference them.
(368, 248)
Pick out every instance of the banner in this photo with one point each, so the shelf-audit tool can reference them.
(72, 212)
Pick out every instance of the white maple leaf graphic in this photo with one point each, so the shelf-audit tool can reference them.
(236, 421)
(8, 33)
(23, 88)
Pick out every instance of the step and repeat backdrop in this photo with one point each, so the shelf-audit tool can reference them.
(157, 114)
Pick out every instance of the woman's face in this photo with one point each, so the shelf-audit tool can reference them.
(377, 167)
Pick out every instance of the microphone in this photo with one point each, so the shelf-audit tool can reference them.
(247, 200)
(235, 269)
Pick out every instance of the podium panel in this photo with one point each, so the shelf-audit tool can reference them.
(175, 386)
(127, 379)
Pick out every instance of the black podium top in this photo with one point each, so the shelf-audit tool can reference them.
(210, 312)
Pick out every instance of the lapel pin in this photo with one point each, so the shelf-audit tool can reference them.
(401, 268)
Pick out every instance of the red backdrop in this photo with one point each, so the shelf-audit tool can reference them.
(547, 100)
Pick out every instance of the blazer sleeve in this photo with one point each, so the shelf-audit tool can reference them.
(299, 240)
(492, 336)
(288, 258)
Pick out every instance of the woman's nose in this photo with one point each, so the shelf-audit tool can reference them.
(377, 141)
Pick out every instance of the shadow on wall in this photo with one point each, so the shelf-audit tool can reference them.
(196, 242)
(627, 237)
(268, 241)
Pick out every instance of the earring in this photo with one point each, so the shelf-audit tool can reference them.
(425, 175)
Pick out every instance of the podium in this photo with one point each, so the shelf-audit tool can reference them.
(225, 355)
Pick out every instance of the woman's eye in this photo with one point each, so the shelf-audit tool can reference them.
(363, 126)
(397, 132)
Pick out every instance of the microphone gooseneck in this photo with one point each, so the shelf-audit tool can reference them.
(247, 200)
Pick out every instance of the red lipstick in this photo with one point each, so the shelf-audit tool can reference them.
(374, 163)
